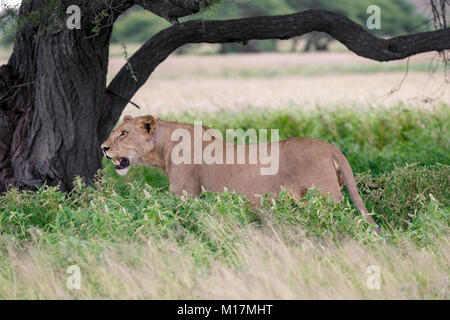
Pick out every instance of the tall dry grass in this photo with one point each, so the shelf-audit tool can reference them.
(273, 265)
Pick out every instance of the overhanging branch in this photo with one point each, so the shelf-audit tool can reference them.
(351, 34)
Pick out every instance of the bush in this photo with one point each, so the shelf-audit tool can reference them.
(398, 196)
(405, 200)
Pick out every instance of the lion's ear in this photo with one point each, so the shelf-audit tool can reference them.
(127, 117)
(147, 124)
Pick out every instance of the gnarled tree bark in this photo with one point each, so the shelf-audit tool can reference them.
(52, 96)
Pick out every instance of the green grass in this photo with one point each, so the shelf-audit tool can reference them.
(132, 238)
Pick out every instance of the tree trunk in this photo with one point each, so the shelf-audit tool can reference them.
(56, 89)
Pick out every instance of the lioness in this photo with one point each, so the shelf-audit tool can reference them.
(303, 162)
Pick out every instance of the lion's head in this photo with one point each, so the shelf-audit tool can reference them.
(129, 142)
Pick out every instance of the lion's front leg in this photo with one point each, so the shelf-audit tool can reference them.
(184, 181)
(191, 188)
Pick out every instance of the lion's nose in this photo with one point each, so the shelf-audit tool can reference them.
(104, 149)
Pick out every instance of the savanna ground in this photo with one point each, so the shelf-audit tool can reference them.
(131, 238)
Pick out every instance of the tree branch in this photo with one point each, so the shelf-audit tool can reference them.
(351, 34)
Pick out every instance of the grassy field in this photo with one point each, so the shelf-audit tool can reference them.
(131, 238)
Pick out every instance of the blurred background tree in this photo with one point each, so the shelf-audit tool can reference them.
(8, 17)
(137, 26)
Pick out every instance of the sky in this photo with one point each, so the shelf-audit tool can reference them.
(9, 2)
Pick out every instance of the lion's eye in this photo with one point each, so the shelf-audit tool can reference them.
(123, 133)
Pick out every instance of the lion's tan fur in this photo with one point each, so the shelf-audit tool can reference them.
(303, 163)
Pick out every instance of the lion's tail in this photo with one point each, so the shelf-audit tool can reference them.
(345, 171)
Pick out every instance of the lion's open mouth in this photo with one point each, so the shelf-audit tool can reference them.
(121, 163)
